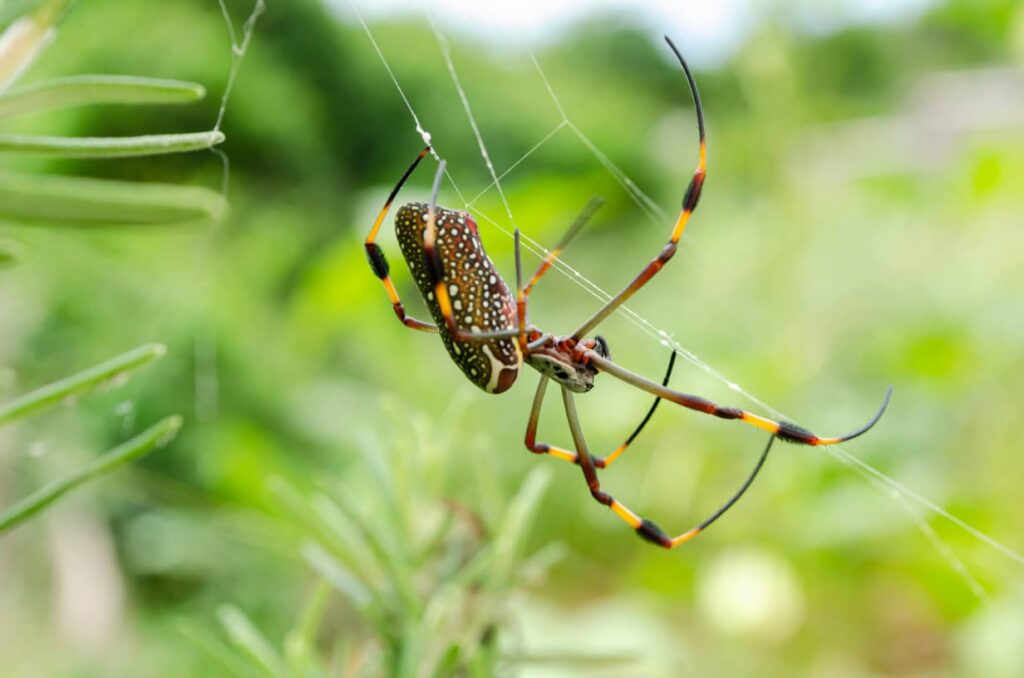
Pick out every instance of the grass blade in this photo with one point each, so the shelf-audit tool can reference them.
(389, 555)
(516, 525)
(82, 90)
(337, 575)
(300, 644)
(81, 202)
(109, 147)
(84, 381)
(216, 648)
(151, 439)
(247, 637)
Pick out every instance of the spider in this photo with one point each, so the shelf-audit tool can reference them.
(484, 327)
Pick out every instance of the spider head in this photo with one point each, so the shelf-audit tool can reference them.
(559, 361)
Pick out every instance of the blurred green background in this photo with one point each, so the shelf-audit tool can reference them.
(860, 226)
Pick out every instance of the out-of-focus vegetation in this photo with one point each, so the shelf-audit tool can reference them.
(860, 226)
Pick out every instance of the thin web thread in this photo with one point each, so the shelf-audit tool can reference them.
(904, 497)
(442, 42)
(238, 51)
(424, 134)
(204, 347)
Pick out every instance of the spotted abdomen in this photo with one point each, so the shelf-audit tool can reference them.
(481, 301)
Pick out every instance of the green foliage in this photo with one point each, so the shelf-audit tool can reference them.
(26, 200)
(96, 89)
(153, 438)
(428, 579)
(89, 203)
(102, 375)
(860, 226)
(75, 201)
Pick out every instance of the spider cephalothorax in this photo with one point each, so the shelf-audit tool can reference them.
(485, 329)
(563, 360)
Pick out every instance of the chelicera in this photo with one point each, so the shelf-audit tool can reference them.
(485, 329)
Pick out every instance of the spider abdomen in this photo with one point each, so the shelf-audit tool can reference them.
(481, 301)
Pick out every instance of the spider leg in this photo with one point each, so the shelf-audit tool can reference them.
(556, 251)
(379, 264)
(607, 461)
(780, 429)
(646, 529)
(689, 205)
(567, 455)
(531, 429)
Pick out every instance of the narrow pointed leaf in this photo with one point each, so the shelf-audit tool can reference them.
(87, 380)
(109, 147)
(247, 637)
(97, 89)
(78, 201)
(151, 439)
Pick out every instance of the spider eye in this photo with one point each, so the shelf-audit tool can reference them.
(601, 347)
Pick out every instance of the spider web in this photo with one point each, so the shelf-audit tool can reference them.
(910, 502)
(206, 382)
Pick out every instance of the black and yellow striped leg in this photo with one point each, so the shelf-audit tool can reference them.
(589, 469)
(780, 429)
(379, 263)
(690, 200)
(567, 455)
(646, 529)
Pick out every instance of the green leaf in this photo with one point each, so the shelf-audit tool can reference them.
(247, 637)
(78, 201)
(300, 644)
(109, 147)
(87, 380)
(339, 576)
(516, 525)
(216, 648)
(82, 90)
(151, 439)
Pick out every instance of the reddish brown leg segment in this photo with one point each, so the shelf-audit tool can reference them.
(784, 430)
(690, 201)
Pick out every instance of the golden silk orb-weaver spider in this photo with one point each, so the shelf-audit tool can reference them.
(484, 326)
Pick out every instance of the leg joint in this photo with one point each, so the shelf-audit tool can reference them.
(378, 262)
(795, 434)
(650, 532)
(692, 196)
(728, 413)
